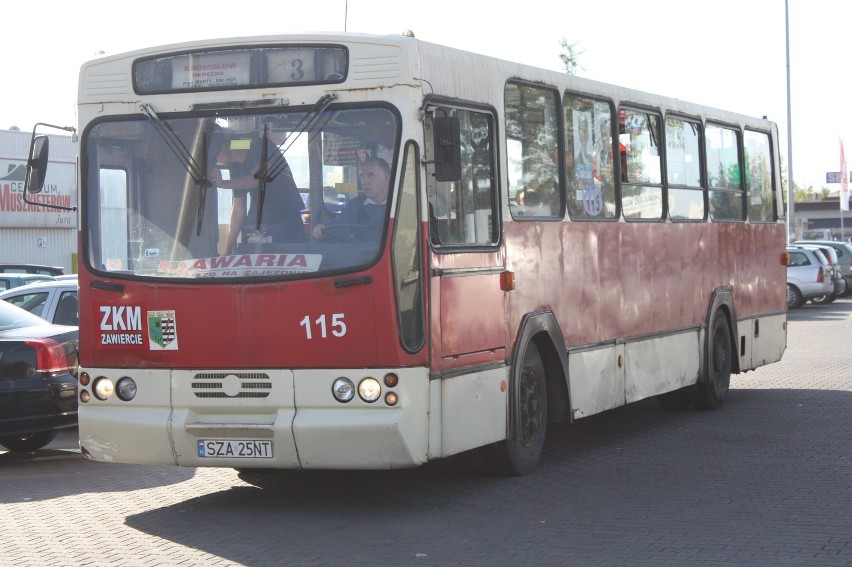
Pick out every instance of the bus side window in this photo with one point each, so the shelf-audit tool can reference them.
(683, 170)
(724, 173)
(532, 144)
(642, 193)
(589, 164)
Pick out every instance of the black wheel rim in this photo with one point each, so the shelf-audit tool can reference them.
(530, 405)
(721, 359)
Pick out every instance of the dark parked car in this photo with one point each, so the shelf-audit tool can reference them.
(38, 384)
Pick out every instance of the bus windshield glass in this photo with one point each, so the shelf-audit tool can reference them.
(285, 194)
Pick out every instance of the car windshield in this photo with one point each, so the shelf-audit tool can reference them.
(12, 317)
(238, 196)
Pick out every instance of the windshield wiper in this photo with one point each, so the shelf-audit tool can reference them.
(261, 175)
(198, 171)
(267, 172)
(308, 121)
(205, 183)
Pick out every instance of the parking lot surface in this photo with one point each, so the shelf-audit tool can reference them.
(764, 481)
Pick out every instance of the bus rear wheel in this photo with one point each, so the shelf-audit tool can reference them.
(711, 392)
(520, 454)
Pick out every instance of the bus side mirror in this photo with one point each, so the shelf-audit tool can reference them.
(37, 164)
(447, 148)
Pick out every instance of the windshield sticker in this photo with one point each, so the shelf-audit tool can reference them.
(242, 265)
(162, 330)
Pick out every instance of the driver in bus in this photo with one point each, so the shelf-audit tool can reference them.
(364, 216)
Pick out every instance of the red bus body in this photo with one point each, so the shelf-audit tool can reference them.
(468, 329)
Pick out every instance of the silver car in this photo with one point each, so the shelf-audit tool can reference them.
(835, 271)
(808, 275)
(53, 300)
(844, 258)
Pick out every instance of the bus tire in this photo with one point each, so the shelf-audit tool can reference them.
(520, 454)
(711, 392)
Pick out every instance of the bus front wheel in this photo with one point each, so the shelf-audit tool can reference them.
(520, 454)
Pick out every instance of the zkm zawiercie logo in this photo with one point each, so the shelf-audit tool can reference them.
(121, 326)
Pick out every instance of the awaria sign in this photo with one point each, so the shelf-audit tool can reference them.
(242, 265)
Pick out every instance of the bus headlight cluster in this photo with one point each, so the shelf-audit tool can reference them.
(343, 390)
(126, 388)
(103, 388)
(369, 389)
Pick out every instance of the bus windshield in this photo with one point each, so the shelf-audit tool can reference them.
(271, 195)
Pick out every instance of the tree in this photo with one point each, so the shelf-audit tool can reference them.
(570, 56)
(802, 194)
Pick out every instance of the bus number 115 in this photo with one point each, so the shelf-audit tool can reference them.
(338, 327)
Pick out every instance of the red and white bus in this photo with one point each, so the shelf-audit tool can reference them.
(550, 247)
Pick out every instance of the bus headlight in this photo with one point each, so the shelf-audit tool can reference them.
(369, 389)
(126, 388)
(103, 388)
(343, 390)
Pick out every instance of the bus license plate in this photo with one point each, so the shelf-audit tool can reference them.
(233, 449)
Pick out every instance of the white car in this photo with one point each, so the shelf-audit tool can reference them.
(52, 300)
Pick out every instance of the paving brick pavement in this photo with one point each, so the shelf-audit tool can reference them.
(764, 481)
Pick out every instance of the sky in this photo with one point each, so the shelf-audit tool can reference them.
(729, 54)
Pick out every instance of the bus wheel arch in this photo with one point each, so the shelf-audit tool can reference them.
(720, 358)
(538, 394)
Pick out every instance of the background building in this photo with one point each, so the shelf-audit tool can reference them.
(30, 233)
(814, 218)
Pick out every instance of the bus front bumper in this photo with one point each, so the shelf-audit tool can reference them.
(258, 419)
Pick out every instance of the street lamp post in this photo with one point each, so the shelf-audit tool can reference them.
(790, 206)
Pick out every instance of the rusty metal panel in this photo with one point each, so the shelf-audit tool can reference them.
(471, 312)
(597, 381)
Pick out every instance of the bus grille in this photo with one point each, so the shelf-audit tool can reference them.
(231, 385)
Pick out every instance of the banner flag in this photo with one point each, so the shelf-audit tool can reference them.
(844, 181)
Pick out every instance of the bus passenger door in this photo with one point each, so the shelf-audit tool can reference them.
(468, 327)
(468, 393)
